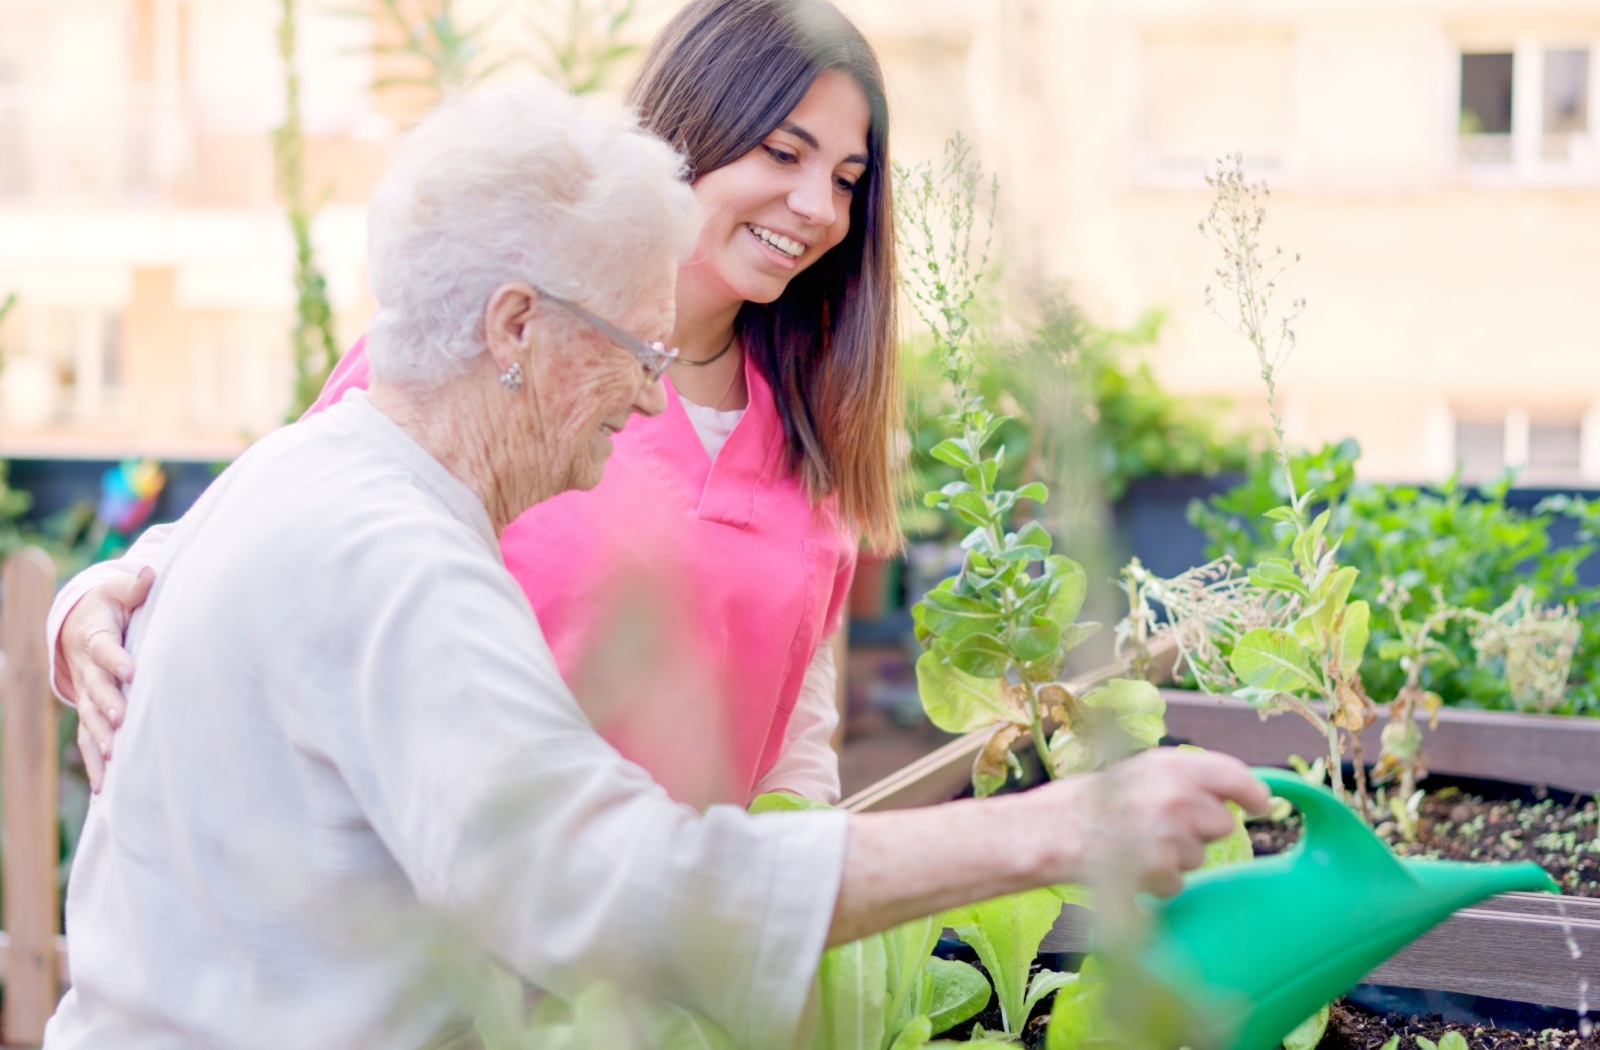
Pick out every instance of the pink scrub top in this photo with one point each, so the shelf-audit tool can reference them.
(683, 598)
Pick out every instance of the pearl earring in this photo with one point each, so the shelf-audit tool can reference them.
(512, 379)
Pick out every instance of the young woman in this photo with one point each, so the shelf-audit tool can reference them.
(770, 464)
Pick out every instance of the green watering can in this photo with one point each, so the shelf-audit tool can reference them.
(1259, 947)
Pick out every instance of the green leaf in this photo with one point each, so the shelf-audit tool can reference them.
(1031, 544)
(1260, 699)
(913, 1036)
(1075, 634)
(1393, 649)
(1352, 638)
(1035, 491)
(953, 992)
(1269, 658)
(981, 655)
(1069, 585)
(1005, 932)
(1276, 574)
(783, 802)
(906, 948)
(1329, 597)
(951, 451)
(1308, 1033)
(852, 993)
(672, 1027)
(1045, 982)
(953, 617)
(958, 702)
(1035, 642)
(1283, 514)
(1392, 1043)
(1426, 1044)
(1078, 1017)
(972, 508)
(1452, 1041)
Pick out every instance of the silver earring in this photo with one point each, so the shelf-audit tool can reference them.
(512, 379)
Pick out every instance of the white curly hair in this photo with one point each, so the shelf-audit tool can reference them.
(522, 182)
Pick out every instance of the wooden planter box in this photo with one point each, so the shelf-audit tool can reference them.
(1513, 946)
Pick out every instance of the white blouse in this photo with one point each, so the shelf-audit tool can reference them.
(807, 765)
(348, 749)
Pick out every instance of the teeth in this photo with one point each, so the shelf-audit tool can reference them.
(793, 249)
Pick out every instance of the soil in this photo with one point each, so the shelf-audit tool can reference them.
(1350, 1027)
(1561, 836)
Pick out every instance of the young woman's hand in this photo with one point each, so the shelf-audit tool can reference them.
(97, 666)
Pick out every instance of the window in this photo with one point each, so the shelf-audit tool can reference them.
(1480, 449)
(1545, 449)
(1566, 102)
(1486, 96)
(1525, 110)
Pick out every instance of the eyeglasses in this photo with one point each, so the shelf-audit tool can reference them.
(655, 357)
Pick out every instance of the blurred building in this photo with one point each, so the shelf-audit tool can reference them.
(1433, 161)
(139, 227)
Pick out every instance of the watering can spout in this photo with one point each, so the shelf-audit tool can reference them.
(1269, 942)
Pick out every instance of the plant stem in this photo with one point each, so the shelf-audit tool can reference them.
(1036, 724)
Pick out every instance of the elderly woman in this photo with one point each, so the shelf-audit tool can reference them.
(361, 739)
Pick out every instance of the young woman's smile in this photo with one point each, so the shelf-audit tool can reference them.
(782, 206)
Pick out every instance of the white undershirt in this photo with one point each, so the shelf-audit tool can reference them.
(712, 426)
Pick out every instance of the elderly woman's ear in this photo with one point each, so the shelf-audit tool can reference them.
(509, 327)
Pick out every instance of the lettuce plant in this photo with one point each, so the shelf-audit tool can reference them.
(887, 991)
(996, 634)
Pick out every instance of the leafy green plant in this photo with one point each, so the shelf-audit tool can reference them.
(996, 633)
(1447, 546)
(886, 991)
(1291, 632)
(1005, 932)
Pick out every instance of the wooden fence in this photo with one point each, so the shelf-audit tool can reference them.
(32, 951)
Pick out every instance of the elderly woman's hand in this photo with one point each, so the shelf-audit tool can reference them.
(97, 666)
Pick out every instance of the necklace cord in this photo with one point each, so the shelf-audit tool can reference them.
(706, 361)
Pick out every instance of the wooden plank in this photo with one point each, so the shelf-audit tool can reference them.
(28, 773)
(1549, 750)
(1513, 946)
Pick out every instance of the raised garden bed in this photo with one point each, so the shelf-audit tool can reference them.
(1516, 948)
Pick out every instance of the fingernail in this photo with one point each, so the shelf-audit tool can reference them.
(105, 751)
(125, 672)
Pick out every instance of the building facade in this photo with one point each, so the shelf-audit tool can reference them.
(1434, 162)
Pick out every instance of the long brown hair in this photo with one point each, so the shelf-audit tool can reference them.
(715, 82)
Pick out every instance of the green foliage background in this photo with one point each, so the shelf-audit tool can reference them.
(1079, 395)
(1469, 543)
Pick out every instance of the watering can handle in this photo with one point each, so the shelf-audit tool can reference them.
(1330, 825)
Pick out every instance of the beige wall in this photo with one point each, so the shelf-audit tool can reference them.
(1438, 293)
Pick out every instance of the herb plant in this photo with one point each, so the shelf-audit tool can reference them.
(1289, 628)
(997, 633)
